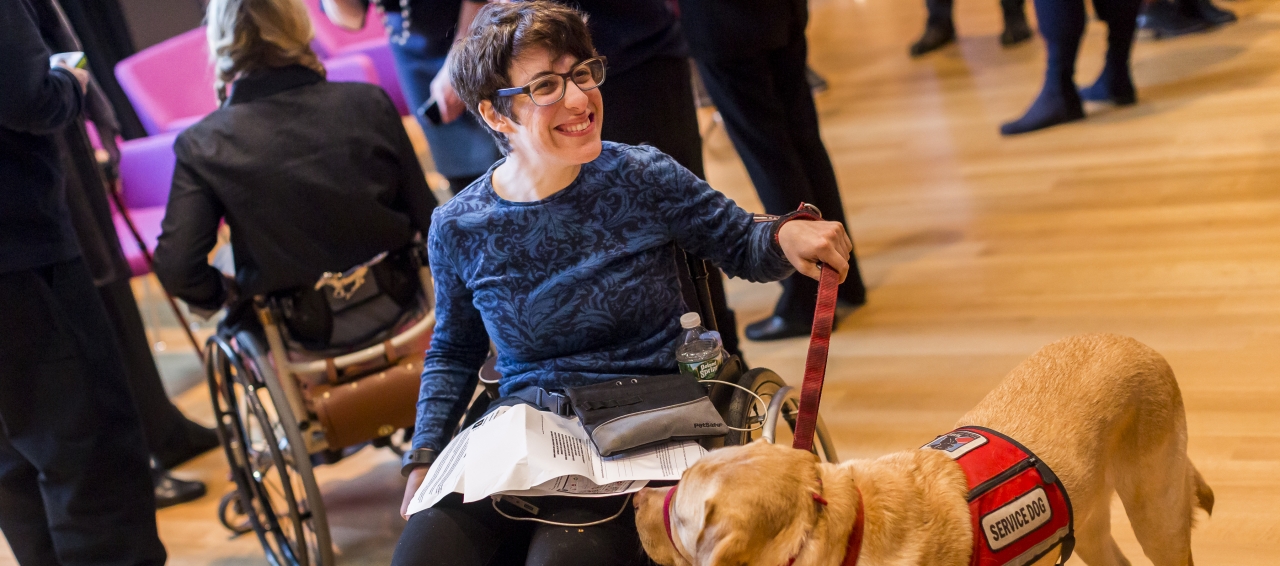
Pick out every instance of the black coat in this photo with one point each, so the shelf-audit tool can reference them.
(36, 103)
(311, 176)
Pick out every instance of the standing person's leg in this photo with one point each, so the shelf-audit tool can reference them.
(939, 28)
(171, 436)
(653, 103)
(788, 66)
(770, 117)
(1115, 84)
(1016, 28)
(22, 518)
(1062, 26)
(462, 149)
(613, 543)
(66, 409)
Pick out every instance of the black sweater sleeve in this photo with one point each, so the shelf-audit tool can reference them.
(33, 97)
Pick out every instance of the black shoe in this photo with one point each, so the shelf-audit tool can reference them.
(1015, 32)
(934, 38)
(1050, 109)
(172, 491)
(1204, 9)
(1164, 20)
(777, 328)
(193, 440)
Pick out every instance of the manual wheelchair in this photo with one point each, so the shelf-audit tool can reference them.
(283, 407)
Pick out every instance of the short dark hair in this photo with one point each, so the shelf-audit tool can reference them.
(480, 64)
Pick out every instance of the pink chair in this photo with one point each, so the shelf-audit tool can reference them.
(357, 68)
(146, 173)
(333, 41)
(170, 83)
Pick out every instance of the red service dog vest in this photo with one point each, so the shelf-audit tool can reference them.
(1019, 507)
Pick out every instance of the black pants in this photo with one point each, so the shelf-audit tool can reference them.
(163, 424)
(652, 103)
(473, 534)
(770, 116)
(74, 481)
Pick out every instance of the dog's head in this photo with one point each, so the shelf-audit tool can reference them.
(745, 505)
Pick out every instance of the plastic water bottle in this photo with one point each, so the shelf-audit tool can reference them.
(700, 353)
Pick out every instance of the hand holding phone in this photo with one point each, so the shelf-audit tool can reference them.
(430, 111)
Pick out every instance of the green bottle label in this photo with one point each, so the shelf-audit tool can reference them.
(705, 369)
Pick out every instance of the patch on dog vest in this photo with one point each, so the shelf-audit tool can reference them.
(957, 443)
(1019, 508)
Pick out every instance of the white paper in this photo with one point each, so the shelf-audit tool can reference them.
(522, 451)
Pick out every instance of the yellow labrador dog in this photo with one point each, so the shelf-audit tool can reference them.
(1103, 411)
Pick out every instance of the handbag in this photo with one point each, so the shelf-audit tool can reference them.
(355, 307)
(626, 413)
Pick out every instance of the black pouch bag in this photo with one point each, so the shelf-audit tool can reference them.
(627, 413)
(354, 308)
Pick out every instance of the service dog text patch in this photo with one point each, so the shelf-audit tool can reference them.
(1017, 519)
(957, 443)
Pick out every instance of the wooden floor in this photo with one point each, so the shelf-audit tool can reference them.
(1160, 221)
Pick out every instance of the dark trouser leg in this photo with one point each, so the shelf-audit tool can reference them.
(1062, 26)
(770, 116)
(939, 30)
(652, 103)
(615, 543)
(22, 518)
(939, 12)
(171, 437)
(1115, 84)
(1016, 29)
(66, 410)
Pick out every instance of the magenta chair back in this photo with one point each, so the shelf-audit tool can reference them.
(146, 173)
(357, 68)
(332, 41)
(170, 83)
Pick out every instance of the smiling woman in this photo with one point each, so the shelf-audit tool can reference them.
(562, 254)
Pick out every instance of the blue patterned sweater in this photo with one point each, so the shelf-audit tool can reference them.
(577, 288)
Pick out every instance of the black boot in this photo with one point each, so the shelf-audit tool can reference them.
(1056, 104)
(936, 36)
(1163, 19)
(1016, 29)
(186, 442)
(1115, 84)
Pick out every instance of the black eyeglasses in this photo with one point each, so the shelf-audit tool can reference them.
(550, 88)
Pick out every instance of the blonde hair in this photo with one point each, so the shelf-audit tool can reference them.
(251, 35)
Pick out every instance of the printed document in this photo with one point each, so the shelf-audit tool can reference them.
(522, 451)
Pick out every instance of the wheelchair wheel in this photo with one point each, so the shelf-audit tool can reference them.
(268, 459)
(777, 421)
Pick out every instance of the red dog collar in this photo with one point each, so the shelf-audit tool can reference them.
(851, 551)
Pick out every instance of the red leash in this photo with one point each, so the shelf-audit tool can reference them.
(815, 364)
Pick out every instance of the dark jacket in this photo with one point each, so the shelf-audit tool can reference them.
(311, 176)
(35, 104)
(723, 30)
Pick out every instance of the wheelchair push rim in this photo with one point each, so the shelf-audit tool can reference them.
(277, 492)
(778, 416)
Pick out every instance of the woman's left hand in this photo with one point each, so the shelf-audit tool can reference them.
(808, 242)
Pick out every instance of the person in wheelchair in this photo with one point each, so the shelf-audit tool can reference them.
(564, 255)
(311, 176)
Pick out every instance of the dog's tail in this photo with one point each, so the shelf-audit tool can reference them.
(1204, 493)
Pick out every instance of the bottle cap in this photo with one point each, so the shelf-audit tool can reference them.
(690, 320)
